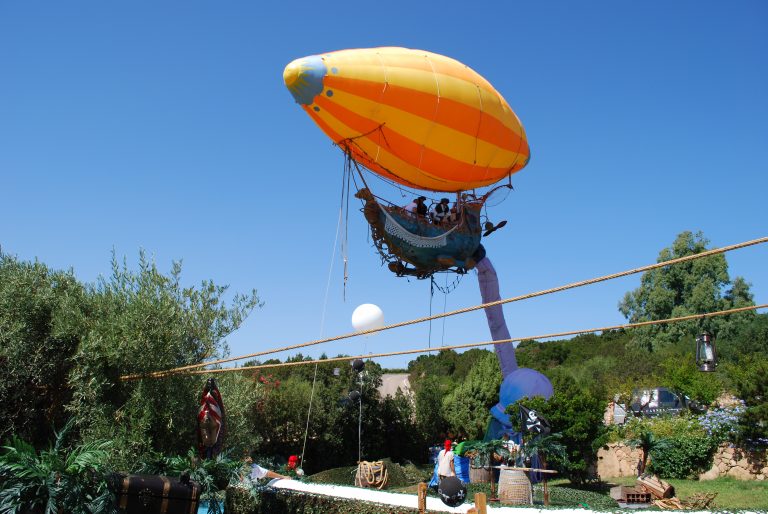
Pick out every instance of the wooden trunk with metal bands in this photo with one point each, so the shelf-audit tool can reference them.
(150, 494)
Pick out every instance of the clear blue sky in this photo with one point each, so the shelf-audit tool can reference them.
(166, 126)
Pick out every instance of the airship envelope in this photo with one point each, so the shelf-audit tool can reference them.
(418, 118)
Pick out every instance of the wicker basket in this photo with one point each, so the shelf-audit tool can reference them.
(515, 488)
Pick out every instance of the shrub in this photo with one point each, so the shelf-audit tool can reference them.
(265, 500)
(57, 479)
(749, 378)
(683, 456)
(662, 426)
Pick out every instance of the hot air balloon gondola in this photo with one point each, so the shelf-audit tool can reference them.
(419, 120)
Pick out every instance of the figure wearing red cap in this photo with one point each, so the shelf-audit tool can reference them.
(445, 461)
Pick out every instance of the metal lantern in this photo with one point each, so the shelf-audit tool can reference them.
(706, 355)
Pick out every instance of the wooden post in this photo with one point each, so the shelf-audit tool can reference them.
(546, 493)
(480, 503)
(422, 497)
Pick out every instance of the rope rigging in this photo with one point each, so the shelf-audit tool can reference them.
(322, 317)
(573, 285)
(477, 345)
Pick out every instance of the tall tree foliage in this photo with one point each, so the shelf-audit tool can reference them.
(42, 319)
(752, 387)
(428, 398)
(137, 322)
(466, 407)
(693, 287)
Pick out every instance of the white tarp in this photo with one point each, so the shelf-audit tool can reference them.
(411, 500)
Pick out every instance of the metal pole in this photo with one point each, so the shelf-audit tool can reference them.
(360, 423)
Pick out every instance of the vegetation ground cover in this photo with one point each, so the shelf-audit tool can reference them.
(732, 494)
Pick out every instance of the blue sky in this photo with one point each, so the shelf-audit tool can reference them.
(166, 126)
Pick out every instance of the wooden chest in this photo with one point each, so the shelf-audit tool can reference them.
(150, 494)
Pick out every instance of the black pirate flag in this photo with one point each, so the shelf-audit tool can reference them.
(532, 422)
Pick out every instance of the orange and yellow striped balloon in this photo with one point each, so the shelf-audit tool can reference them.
(421, 119)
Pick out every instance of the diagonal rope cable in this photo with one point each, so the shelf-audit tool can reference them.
(573, 285)
(485, 343)
(322, 324)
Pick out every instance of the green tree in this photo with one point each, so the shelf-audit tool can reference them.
(466, 408)
(280, 418)
(752, 387)
(683, 376)
(42, 318)
(429, 403)
(241, 394)
(400, 437)
(750, 338)
(577, 414)
(692, 287)
(138, 322)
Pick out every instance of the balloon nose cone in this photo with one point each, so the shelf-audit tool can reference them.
(304, 78)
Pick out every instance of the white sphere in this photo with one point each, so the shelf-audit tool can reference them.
(367, 317)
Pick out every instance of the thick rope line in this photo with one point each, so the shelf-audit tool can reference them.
(459, 311)
(474, 345)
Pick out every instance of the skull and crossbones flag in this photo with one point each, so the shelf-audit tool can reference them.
(532, 422)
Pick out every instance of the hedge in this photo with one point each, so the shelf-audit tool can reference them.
(266, 500)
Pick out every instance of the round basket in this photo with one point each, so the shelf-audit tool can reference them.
(515, 488)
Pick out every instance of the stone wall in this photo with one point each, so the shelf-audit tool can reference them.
(738, 463)
(619, 460)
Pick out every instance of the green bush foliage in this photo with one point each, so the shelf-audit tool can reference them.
(63, 346)
(577, 414)
(42, 322)
(64, 477)
(683, 456)
(264, 500)
(661, 426)
(676, 446)
(141, 321)
(752, 387)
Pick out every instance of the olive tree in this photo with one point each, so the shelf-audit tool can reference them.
(138, 322)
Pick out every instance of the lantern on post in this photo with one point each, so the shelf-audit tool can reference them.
(706, 355)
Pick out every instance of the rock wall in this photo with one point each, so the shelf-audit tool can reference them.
(737, 463)
(619, 460)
